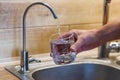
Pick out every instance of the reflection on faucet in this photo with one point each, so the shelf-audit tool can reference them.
(24, 54)
(114, 47)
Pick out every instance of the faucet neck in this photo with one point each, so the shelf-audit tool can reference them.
(107, 1)
(103, 53)
(24, 54)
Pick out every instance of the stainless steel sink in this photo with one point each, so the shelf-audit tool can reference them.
(86, 70)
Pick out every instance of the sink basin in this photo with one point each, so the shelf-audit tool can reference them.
(82, 70)
(86, 71)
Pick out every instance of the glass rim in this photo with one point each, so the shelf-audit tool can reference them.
(71, 35)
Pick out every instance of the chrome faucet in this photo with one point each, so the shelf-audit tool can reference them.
(24, 62)
(103, 53)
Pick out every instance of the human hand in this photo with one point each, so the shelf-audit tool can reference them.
(84, 40)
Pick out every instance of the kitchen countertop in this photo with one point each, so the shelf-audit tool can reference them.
(5, 75)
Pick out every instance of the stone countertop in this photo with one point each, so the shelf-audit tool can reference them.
(5, 75)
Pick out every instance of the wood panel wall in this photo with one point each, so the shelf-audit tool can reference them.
(80, 14)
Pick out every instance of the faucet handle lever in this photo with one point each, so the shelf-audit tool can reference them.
(31, 59)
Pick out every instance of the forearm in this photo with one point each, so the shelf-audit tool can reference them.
(108, 32)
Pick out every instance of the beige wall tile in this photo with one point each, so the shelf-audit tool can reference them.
(80, 14)
(69, 12)
(85, 26)
(37, 40)
(114, 10)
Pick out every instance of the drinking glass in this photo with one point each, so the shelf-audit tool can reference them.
(60, 49)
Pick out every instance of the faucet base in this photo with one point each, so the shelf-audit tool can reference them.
(16, 72)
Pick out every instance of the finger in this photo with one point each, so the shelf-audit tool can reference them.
(67, 34)
(77, 46)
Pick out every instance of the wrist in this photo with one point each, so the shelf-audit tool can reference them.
(100, 36)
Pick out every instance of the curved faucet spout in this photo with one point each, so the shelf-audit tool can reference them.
(24, 18)
(24, 54)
